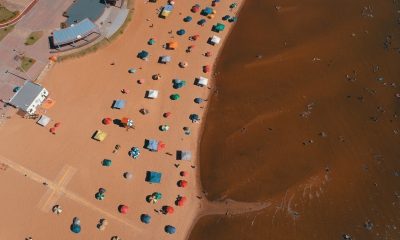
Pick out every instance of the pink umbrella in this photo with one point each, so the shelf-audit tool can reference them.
(184, 174)
(182, 183)
(107, 121)
(123, 209)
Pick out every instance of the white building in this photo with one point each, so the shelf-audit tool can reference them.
(29, 97)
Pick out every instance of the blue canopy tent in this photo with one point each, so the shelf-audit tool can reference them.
(153, 177)
(151, 144)
(170, 229)
(145, 218)
(119, 104)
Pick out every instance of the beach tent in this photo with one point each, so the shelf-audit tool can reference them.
(175, 96)
(177, 83)
(153, 177)
(172, 45)
(166, 11)
(164, 59)
(181, 32)
(201, 81)
(183, 155)
(119, 104)
(43, 120)
(145, 218)
(154, 145)
(214, 40)
(143, 55)
(106, 162)
(100, 135)
(170, 229)
(151, 94)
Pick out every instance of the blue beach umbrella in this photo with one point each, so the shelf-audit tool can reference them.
(151, 41)
(145, 218)
(198, 100)
(16, 89)
(226, 17)
(143, 54)
(170, 229)
(187, 19)
(75, 228)
(181, 32)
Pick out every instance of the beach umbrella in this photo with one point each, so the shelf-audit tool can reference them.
(99, 196)
(132, 70)
(161, 146)
(135, 152)
(170, 229)
(195, 37)
(176, 83)
(186, 130)
(206, 68)
(75, 228)
(16, 89)
(194, 117)
(167, 114)
(157, 195)
(143, 54)
(56, 209)
(144, 111)
(156, 76)
(198, 100)
(195, 8)
(76, 221)
(107, 121)
(201, 22)
(233, 5)
(187, 19)
(164, 128)
(123, 209)
(183, 64)
(116, 238)
(106, 162)
(53, 130)
(184, 173)
(128, 175)
(151, 199)
(145, 218)
(175, 96)
(53, 58)
(211, 16)
(181, 32)
(182, 183)
(151, 41)
(226, 17)
(180, 202)
(140, 81)
(232, 19)
(168, 210)
(58, 124)
(208, 54)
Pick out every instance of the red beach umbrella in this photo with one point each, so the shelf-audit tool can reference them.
(184, 173)
(182, 183)
(183, 198)
(180, 203)
(195, 37)
(167, 114)
(57, 124)
(123, 209)
(53, 130)
(208, 54)
(168, 209)
(107, 121)
(206, 68)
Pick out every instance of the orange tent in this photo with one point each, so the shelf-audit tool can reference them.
(172, 45)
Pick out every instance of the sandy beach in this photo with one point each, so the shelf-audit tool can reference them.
(40, 170)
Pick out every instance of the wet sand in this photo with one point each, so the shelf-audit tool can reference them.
(306, 119)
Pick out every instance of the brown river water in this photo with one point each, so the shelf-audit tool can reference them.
(305, 116)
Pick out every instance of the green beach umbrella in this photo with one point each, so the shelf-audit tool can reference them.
(175, 96)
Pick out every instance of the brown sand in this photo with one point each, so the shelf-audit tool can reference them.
(41, 169)
(253, 148)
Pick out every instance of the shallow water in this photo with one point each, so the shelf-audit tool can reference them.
(307, 119)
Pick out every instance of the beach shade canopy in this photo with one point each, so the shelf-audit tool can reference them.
(201, 22)
(166, 11)
(177, 83)
(184, 174)
(195, 8)
(182, 183)
(214, 40)
(75, 228)
(152, 94)
(164, 59)
(127, 122)
(100, 135)
(218, 27)
(175, 96)
(107, 121)
(168, 209)
(153, 177)
(181, 32)
(134, 153)
(187, 19)
(131, 70)
(198, 100)
(43, 120)
(206, 68)
(151, 41)
(170, 229)
(128, 175)
(118, 104)
(123, 209)
(143, 55)
(151, 144)
(194, 117)
(183, 155)
(201, 81)
(172, 45)
(183, 64)
(145, 218)
(206, 11)
(106, 162)
(164, 128)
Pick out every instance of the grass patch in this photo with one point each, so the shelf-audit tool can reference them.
(6, 15)
(103, 42)
(26, 63)
(5, 31)
(33, 37)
